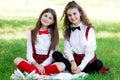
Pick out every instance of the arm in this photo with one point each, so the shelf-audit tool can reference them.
(30, 55)
(90, 48)
(49, 60)
(68, 53)
(29, 49)
(68, 50)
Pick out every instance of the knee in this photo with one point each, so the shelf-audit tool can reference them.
(61, 66)
(57, 56)
(17, 60)
(99, 64)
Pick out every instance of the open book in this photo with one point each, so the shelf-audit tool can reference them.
(69, 76)
(18, 75)
(64, 76)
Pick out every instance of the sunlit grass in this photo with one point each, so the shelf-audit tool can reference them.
(17, 18)
(105, 34)
(15, 28)
(13, 37)
(10, 33)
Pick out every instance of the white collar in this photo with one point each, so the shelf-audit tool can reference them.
(80, 25)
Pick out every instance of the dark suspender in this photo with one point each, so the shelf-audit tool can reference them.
(86, 33)
(79, 57)
(38, 58)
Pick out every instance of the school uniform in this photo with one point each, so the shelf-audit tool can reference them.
(82, 42)
(40, 53)
(41, 47)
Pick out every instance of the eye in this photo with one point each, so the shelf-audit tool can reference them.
(50, 18)
(45, 15)
(74, 13)
(69, 15)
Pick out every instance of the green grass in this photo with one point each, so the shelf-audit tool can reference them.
(17, 20)
(13, 34)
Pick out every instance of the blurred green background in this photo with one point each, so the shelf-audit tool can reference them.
(17, 17)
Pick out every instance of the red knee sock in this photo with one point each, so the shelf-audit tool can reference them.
(27, 67)
(51, 69)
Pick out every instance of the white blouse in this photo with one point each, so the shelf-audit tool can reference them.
(41, 46)
(80, 45)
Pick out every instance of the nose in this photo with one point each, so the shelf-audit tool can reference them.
(72, 16)
(47, 18)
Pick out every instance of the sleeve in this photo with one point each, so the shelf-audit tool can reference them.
(49, 60)
(29, 48)
(68, 50)
(89, 50)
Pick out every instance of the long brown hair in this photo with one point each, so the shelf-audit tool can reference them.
(67, 23)
(53, 29)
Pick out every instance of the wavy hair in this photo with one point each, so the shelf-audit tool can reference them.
(53, 29)
(67, 23)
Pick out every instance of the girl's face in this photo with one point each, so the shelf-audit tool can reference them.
(74, 16)
(47, 19)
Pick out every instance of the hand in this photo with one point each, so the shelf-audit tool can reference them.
(73, 66)
(77, 71)
(41, 68)
(34, 63)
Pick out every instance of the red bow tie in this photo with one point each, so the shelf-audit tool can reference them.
(43, 32)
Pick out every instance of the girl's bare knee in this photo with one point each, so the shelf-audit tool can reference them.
(17, 60)
(61, 66)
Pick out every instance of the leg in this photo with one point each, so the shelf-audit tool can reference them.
(50, 69)
(54, 68)
(60, 65)
(95, 66)
(58, 57)
(25, 66)
(99, 67)
(18, 60)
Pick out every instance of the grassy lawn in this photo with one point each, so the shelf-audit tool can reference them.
(17, 20)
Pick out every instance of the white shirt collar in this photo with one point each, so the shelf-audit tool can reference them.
(81, 24)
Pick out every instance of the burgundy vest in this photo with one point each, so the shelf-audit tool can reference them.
(38, 58)
(79, 57)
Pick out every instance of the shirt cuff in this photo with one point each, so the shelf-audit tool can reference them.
(43, 64)
(81, 67)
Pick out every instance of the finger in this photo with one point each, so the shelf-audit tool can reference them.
(74, 69)
(41, 70)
